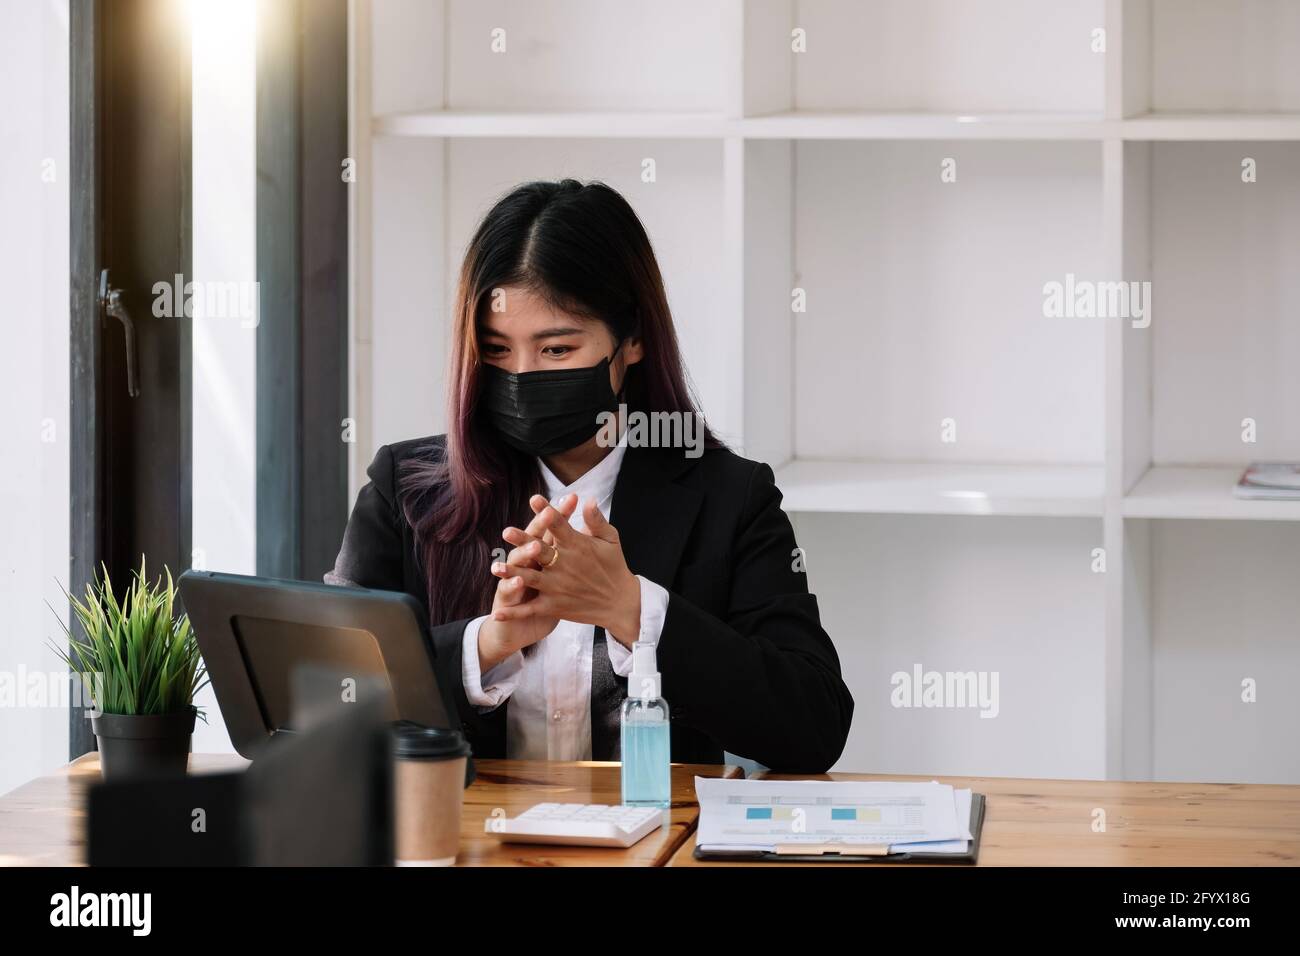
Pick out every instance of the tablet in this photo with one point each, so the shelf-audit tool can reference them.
(261, 636)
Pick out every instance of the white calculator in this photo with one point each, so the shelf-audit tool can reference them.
(577, 824)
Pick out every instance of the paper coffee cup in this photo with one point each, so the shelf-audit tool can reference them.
(429, 787)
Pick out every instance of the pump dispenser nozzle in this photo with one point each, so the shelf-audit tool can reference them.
(644, 683)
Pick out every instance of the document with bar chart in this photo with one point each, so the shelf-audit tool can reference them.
(762, 814)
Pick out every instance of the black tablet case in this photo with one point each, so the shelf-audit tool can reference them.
(971, 856)
(264, 640)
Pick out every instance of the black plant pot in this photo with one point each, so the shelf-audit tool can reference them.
(139, 745)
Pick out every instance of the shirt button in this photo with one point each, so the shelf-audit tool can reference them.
(558, 715)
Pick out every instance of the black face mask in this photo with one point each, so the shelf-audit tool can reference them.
(549, 410)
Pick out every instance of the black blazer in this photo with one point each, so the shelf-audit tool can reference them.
(746, 664)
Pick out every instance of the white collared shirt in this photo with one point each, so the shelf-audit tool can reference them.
(549, 717)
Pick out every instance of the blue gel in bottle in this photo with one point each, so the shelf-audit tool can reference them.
(644, 736)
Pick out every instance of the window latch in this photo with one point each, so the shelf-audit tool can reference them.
(111, 304)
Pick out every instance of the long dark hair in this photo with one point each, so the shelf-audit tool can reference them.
(581, 249)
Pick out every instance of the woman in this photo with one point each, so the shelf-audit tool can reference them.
(545, 532)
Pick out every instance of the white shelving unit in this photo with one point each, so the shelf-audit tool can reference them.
(887, 487)
(953, 457)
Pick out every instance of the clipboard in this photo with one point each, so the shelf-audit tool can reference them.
(833, 854)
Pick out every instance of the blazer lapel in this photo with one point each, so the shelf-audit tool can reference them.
(654, 517)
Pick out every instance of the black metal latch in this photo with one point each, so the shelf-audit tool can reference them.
(110, 303)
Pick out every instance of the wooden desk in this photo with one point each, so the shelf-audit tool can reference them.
(1049, 823)
(41, 822)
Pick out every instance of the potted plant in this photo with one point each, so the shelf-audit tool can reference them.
(146, 667)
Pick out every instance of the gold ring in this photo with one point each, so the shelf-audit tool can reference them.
(554, 557)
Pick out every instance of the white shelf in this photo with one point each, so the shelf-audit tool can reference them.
(646, 124)
(1168, 491)
(1212, 126)
(938, 488)
(843, 124)
(850, 124)
(783, 125)
(650, 124)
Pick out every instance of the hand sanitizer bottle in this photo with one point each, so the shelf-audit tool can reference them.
(644, 734)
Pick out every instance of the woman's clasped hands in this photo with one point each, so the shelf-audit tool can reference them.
(555, 572)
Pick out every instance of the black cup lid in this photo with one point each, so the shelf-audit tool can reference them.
(412, 741)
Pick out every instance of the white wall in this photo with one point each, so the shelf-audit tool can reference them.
(1232, 353)
(917, 290)
(1217, 55)
(949, 55)
(1224, 612)
(1011, 596)
(34, 559)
